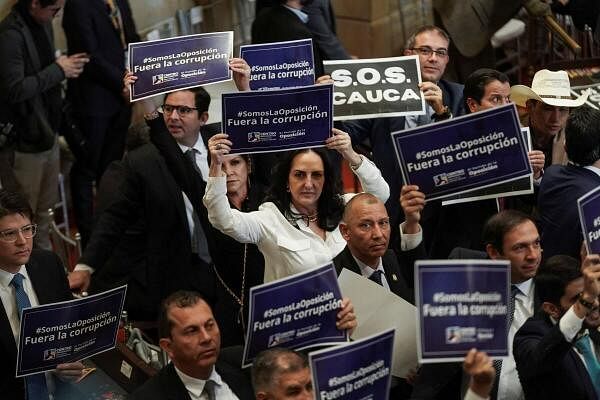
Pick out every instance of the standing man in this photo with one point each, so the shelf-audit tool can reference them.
(30, 97)
(28, 277)
(102, 29)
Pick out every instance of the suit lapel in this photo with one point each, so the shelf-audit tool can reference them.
(177, 390)
(6, 337)
(345, 260)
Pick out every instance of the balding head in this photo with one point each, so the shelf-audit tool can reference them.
(281, 374)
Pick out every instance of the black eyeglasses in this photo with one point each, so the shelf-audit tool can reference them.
(428, 51)
(11, 235)
(181, 110)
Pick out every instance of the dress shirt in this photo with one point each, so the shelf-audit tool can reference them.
(509, 386)
(570, 325)
(367, 271)
(412, 121)
(299, 13)
(471, 395)
(596, 170)
(7, 294)
(195, 386)
(409, 241)
(288, 249)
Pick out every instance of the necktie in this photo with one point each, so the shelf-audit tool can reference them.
(514, 290)
(115, 17)
(591, 362)
(35, 384)
(376, 277)
(198, 243)
(209, 390)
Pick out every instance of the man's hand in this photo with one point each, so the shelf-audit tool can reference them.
(590, 269)
(241, 73)
(537, 160)
(479, 367)
(346, 319)
(69, 372)
(412, 202)
(433, 96)
(324, 79)
(73, 65)
(79, 280)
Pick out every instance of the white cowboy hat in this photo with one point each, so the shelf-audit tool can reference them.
(550, 87)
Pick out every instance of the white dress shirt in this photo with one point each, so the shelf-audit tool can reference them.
(195, 386)
(367, 271)
(7, 294)
(509, 386)
(288, 249)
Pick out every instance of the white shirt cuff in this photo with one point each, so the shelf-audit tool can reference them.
(83, 267)
(570, 324)
(471, 395)
(409, 241)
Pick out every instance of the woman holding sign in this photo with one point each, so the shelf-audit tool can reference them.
(297, 228)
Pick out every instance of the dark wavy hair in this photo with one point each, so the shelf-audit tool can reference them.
(331, 204)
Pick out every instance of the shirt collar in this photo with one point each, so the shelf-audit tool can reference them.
(299, 13)
(199, 145)
(366, 270)
(595, 170)
(6, 277)
(195, 385)
(525, 287)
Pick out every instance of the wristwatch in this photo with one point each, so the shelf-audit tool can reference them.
(445, 114)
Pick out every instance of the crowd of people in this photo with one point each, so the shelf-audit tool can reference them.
(191, 228)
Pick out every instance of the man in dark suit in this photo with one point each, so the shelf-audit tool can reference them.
(102, 29)
(36, 275)
(444, 99)
(189, 334)
(563, 185)
(553, 350)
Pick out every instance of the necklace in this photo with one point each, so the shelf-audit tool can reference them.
(238, 299)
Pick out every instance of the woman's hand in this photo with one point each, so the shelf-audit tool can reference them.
(346, 319)
(218, 146)
(341, 142)
(241, 73)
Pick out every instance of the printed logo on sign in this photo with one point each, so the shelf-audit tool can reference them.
(164, 78)
(308, 330)
(482, 169)
(449, 177)
(52, 354)
(49, 354)
(194, 72)
(254, 137)
(440, 180)
(457, 334)
(157, 79)
(282, 337)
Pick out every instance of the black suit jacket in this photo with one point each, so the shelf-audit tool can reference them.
(548, 366)
(396, 269)
(166, 385)
(49, 281)
(89, 29)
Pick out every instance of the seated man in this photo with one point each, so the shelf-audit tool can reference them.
(279, 374)
(27, 278)
(563, 185)
(189, 334)
(553, 350)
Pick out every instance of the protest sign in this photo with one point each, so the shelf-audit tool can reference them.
(462, 304)
(463, 154)
(179, 63)
(276, 120)
(356, 371)
(594, 98)
(280, 65)
(514, 187)
(295, 312)
(589, 216)
(68, 331)
(376, 87)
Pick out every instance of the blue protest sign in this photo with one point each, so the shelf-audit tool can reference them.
(589, 216)
(359, 370)
(280, 65)
(376, 87)
(463, 154)
(276, 120)
(68, 331)
(179, 63)
(295, 312)
(462, 304)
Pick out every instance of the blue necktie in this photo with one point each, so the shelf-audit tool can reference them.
(36, 384)
(591, 362)
(376, 277)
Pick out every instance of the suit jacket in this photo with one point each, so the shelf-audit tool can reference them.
(166, 385)
(29, 91)
(278, 24)
(155, 175)
(548, 366)
(321, 22)
(49, 281)
(472, 23)
(560, 228)
(89, 29)
(395, 267)
(376, 133)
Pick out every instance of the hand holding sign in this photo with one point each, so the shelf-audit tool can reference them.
(241, 74)
(218, 146)
(346, 319)
(537, 159)
(433, 96)
(478, 365)
(340, 141)
(412, 202)
(591, 286)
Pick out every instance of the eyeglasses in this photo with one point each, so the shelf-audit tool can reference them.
(181, 110)
(428, 51)
(11, 235)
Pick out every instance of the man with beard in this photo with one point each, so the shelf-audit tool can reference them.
(556, 351)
